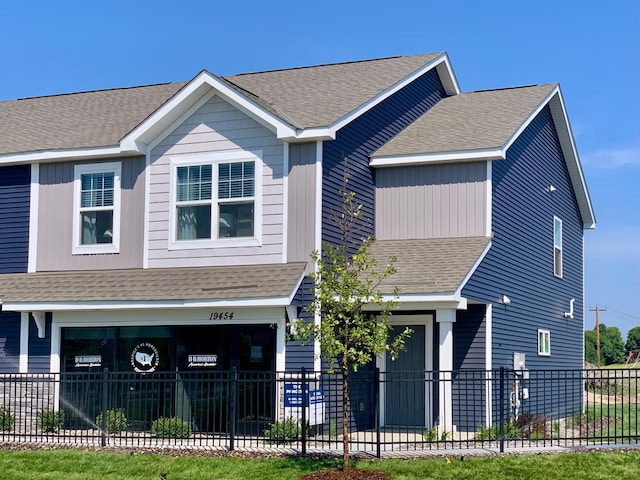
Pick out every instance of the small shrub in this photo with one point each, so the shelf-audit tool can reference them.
(485, 433)
(431, 435)
(7, 420)
(115, 420)
(287, 431)
(51, 421)
(510, 432)
(170, 428)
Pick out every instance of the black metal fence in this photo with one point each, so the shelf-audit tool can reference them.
(302, 410)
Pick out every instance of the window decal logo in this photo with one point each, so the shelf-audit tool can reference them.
(145, 358)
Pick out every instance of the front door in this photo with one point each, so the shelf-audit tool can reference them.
(405, 381)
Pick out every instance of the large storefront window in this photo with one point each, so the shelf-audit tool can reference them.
(170, 371)
(164, 349)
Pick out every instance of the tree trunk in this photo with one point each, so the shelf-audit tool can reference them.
(345, 419)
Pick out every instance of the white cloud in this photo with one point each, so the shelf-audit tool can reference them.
(612, 158)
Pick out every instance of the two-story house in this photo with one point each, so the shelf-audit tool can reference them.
(169, 227)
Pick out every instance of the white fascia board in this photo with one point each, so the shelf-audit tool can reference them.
(162, 118)
(529, 119)
(390, 91)
(145, 305)
(423, 301)
(74, 154)
(447, 78)
(473, 269)
(440, 157)
(567, 143)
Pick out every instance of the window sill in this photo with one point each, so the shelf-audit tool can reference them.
(95, 249)
(225, 243)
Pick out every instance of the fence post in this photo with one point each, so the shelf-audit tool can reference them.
(103, 406)
(501, 403)
(305, 401)
(376, 408)
(232, 408)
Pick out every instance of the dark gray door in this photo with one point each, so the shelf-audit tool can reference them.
(405, 386)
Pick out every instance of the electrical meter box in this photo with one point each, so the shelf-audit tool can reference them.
(518, 361)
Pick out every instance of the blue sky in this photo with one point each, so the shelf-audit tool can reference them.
(592, 50)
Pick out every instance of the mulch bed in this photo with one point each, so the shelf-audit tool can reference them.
(350, 474)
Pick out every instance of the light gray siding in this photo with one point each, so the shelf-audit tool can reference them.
(55, 219)
(216, 127)
(431, 201)
(301, 202)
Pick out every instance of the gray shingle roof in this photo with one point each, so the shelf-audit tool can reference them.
(304, 97)
(319, 96)
(167, 284)
(468, 122)
(429, 266)
(78, 120)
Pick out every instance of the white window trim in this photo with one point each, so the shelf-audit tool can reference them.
(215, 159)
(78, 171)
(557, 219)
(547, 334)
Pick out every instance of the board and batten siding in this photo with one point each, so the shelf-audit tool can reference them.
(520, 261)
(55, 219)
(359, 139)
(15, 189)
(217, 127)
(431, 201)
(302, 202)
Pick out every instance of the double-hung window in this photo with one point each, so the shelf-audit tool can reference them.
(216, 200)
(96, 220)
(544, 342)
(557, 247)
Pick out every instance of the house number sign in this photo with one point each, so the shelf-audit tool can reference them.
(221, 316)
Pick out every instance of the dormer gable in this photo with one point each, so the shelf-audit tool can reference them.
(298, 104)
(481, 126)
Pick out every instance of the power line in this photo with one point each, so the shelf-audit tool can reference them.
(625, 314)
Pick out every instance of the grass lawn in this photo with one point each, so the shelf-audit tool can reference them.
(90, 465)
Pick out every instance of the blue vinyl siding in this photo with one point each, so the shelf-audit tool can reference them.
(9, 342)
(520, 261)
(298, 355)
(469, 363)
(40, 348)
(357, 140)
(14, 218)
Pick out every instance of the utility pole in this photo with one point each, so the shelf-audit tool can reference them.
(598, 310)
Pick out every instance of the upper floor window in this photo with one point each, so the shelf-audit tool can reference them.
(557, 247)
(215, 198)
(544, 342)
(96, 219)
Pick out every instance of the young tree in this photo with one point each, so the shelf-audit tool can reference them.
(611, 345)
(345, 281)
(633, 341)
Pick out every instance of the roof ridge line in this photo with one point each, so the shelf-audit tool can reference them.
(93, 91)
(350, 62)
